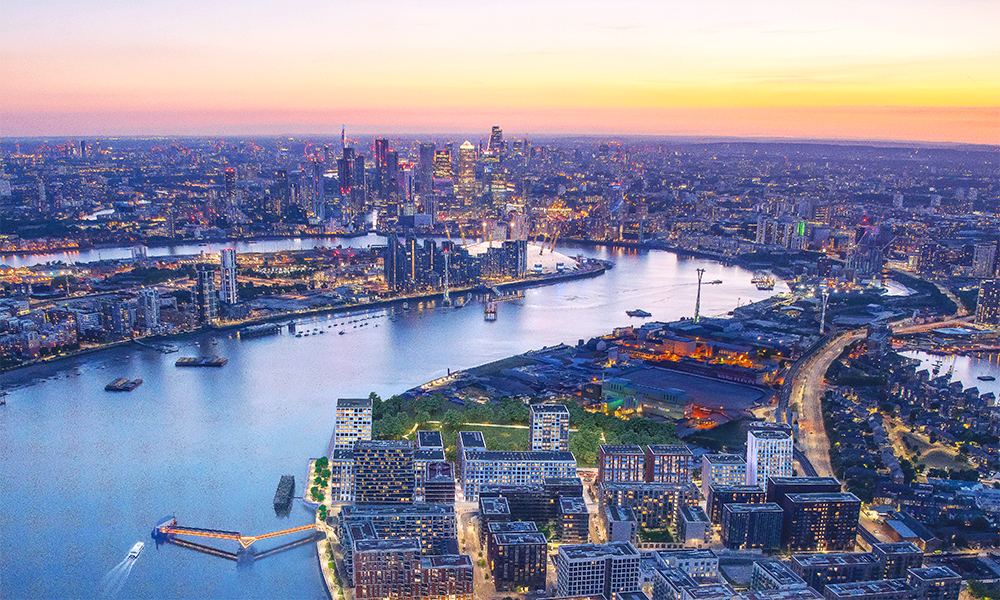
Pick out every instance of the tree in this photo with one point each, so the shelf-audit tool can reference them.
(453, 419)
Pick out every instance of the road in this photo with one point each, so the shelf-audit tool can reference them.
(807, 391)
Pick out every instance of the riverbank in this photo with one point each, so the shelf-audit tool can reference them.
(599, 269)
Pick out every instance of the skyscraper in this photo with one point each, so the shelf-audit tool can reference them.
(206, 296)
(229, 293)
(442, 164)
(381, 149)
(769, 454)
(496, 141)
(426, 179)
(465, 190)
(988, 303)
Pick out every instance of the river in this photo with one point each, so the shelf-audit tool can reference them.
(84, 473)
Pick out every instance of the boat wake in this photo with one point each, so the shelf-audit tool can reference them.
(115, 579)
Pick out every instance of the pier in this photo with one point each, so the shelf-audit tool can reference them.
(168, 530)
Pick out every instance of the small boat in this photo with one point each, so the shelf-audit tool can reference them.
(716, 282)
(341, 333)
(986, 378)
(638, 313)
(136, 550)
(122, 385)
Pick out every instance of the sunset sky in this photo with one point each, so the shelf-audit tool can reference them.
(922, 70)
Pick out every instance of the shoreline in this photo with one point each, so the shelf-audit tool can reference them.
(602, 267)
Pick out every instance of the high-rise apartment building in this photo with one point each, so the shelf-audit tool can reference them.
(769, 454)
(433, 524)
(352, 422)
(988, 303)
(228, 291)
(426, 179)
(751, 526)
(206, 296)
(465, 188)
(496, 141)
(383, 471)
(593, 570)
(518, 559)
(486, 467)
(669, 464)
(619, 463)
(722, 469)
(549, 427)
(984, 260)
(149, 309)
(820, 522)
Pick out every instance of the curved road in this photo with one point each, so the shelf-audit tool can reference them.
(807, 391)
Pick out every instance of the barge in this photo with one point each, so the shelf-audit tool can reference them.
(123, 385)
(284, 494)
(192, 361)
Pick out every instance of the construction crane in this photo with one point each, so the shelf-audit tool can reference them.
(461, 231)
(555, 238)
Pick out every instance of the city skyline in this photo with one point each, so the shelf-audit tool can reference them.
(891, 71)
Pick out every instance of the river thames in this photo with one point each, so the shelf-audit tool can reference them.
(86, 474)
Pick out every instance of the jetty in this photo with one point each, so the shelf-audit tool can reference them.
(255, 331)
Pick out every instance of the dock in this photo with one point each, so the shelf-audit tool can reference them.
(255, 331)
(192, 361)
(123, 385)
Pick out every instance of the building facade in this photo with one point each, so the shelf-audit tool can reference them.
(769, 454)
(549, 427)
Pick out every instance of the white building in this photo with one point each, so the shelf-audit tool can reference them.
(597, 569)
(352, 422)
(549, 427)
(149, 309)
(227, 290)
(769, 454)
(722, 469)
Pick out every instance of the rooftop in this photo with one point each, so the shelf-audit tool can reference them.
(780, 573)
(471, 439)
(511, 527)
(929, 573)
(377, 545)
(836, 559)
(688, 554)
(430, 439)
(549, 408)
(803, 481)
(750, 508)
(676, 577)
(522, 538)
(897, 548)
(724, 459)
(354, 402)
(712, 590)
(736, 489)
(446, 560)
(806, 593)
(429, 454)
(621, 449)
(521, 455)
(770, 435)
(493, 506)
(670, 449)
(693, 514)
(824, 497)
(615, 512)
(569, 505)
(583, 551)
(647, 486)
(362, 445)
(863, 589)
(398, 509)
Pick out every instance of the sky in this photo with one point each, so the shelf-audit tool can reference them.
(915, 70)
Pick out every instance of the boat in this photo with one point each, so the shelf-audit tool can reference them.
(341, 333)
(638, 313)
(191, 361)
(765, 284)
(986, 378)
(136, 550)
(122, 385)
(283, 495)
(716, 282)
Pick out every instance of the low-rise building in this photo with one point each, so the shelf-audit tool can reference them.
(774, 575)
(620, 524)
(597, 569)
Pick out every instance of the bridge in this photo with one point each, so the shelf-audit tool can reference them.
(167, 529)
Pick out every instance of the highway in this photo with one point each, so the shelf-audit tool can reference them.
(808, 387)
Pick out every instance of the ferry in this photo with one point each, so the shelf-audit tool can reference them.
(136, 550)
(638, 313)
(986, 378)
(765, 284)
